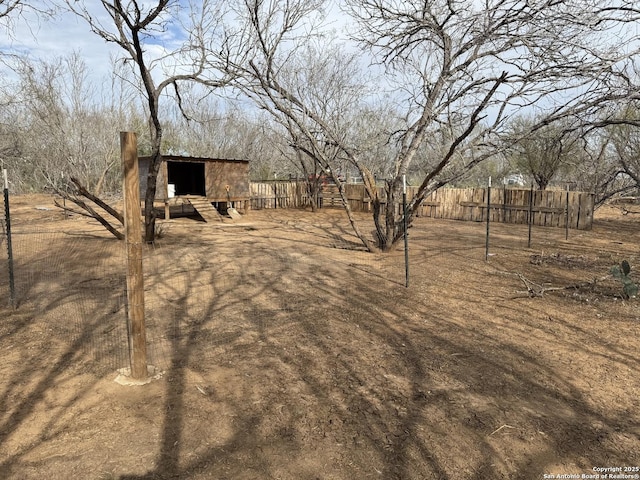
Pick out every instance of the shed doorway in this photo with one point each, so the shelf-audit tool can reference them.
(188, 177)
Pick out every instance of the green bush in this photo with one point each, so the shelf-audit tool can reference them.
(621, 272)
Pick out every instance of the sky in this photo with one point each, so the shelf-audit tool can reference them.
(47, 38)
(57, 37)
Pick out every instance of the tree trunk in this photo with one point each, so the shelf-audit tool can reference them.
(347, 208)
(365, 241)
(312, 192)
(149, 197)
(103, 176)
(89, 211)
(392, 222)
(542, 182)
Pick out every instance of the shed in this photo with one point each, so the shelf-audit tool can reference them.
(224, 182)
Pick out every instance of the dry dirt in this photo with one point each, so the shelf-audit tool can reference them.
(288, 353)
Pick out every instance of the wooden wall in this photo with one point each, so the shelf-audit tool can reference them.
(218, 174)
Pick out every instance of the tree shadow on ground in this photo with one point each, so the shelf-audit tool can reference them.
(402, 388)
(288, 365)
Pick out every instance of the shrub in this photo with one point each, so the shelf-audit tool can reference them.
(621, 272)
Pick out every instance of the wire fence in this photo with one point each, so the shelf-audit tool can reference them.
(69, 277)
(207, 285)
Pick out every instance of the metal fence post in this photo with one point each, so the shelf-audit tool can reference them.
(406, 233)
(7, 215)
(566, 220)
(529, 217)
(486, 246)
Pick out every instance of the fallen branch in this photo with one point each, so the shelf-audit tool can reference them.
(98, 201)
(626, 211)
(78, 190)
(71, 210)
(498, 429)
(537, 290)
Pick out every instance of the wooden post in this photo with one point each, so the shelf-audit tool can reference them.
(133, 240)
(504, 203)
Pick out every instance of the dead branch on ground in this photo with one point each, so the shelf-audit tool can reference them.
(538, 290)
(534, 289)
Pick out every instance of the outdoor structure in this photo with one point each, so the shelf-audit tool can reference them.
(199, 182)
(548, 208)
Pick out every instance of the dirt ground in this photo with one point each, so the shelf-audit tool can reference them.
(286, 352)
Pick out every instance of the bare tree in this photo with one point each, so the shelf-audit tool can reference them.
(607, 162)
(59, 124)
(221, 128)
(12, 11)
(8, 7)
(601, 172)
(624, 138)
(303, 83)
(544, 152)
(45, 111)
(480, 62)
(141, 28)
(458, 69)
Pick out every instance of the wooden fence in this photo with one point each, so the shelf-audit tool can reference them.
(548, 208)
(278, 195)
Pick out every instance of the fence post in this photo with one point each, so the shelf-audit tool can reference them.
(504, 203)
(566, 220)
(7, 215)
(64, 200)
(529, 218)
(486, 246)
(133, 240)
(275, 195)
(406, 232)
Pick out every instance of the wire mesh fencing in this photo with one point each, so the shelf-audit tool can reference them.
(204, 284)
(216, 289)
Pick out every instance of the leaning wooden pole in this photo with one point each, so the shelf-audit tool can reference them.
(133, 241)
